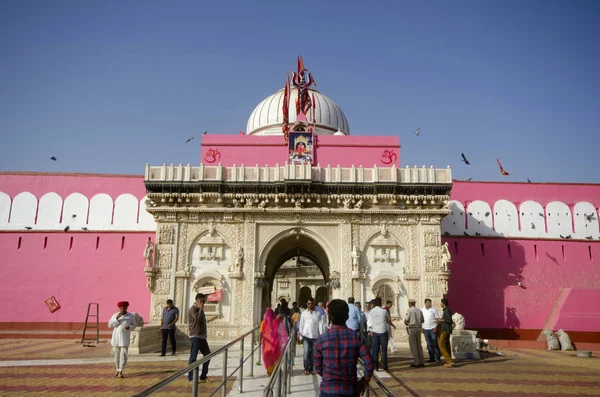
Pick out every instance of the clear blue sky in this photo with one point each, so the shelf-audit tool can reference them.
(107, 86)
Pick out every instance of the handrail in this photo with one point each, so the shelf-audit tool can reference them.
(375, 378)
(282, 373)
(195, 367)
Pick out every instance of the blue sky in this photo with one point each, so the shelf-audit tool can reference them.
(107, 86)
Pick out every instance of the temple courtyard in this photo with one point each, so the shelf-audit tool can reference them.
(58, 367)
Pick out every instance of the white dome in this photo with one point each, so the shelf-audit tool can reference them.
(267, 118)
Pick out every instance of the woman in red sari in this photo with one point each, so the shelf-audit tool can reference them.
(274, 338)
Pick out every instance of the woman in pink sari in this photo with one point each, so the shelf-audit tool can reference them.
(274, 339)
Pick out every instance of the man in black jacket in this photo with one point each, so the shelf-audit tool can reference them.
(446, 326)
(197, 323)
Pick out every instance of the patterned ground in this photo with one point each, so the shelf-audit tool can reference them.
(518, 373)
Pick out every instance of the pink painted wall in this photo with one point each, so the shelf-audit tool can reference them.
(561, 278)
(76, 276)
(517, 193)
(40, 183)
(330, 150)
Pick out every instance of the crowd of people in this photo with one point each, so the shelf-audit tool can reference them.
(335, 335)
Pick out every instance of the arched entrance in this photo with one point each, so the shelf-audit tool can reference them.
(321, 295)
(303, 296)
(294, 264)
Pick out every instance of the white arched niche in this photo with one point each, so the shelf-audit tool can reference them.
(559, 220)
(533, 219)
(586, 220)
(506, 218)
(101, 212)
(49, 212)
(479, 219)
(388, 282)
(75, 211)
(211, 277)
(454, 222)
(146, 220)
(23, 211)
(4, 209)
(126, 212)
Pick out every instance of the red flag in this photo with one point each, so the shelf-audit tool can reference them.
(300, 65)
(314, 109)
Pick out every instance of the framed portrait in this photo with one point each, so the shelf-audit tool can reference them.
(300, 147)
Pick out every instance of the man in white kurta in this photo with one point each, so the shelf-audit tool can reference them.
(123, 323)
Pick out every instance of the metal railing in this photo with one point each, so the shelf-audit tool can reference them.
(281, 378)
(378, 381)
(195, 368)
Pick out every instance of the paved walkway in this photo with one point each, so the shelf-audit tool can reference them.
(62, 368)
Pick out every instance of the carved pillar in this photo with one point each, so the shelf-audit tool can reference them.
(246, 292)
(345, 265)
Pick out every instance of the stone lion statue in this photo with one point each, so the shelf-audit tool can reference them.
(459, 321)
(139, 320)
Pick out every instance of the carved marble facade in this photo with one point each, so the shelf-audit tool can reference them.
(235, 242)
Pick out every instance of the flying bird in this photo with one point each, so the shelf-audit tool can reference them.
(53, 158)
(565, 237)
(589, 217)
(189, 139)
(67, 228)
(469, 179)
(502, 170)
(464, 159)
(418, 132)
(205, 132)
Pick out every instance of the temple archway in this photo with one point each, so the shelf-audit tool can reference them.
(295, 263)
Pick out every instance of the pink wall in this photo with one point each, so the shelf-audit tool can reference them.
(330, 150)
(557, 291)
(560, 278)
(40, 183)
(76, 276)
(517, 193)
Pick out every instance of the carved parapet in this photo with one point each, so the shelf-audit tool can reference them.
(150, 275)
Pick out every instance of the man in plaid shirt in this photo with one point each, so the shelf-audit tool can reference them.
(337, 354)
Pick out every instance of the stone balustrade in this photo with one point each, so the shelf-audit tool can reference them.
(295, 172)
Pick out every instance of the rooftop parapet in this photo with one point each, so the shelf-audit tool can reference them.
(296, 173)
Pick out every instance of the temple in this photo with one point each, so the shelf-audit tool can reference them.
(298, 207)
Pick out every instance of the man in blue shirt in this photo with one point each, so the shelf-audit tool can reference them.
(170, 316)
(353, 321)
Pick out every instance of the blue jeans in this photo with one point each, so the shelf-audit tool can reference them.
(309, 353)
(432, 345)
(199, 345)
(380, 340)
(169, 332)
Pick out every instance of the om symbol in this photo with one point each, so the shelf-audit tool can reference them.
(388, 156)
(212, 155)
